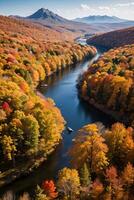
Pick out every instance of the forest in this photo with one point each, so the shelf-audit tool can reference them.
(113, 39)
(101, 167)
(109, 84)
(30, 125)
(33, 30)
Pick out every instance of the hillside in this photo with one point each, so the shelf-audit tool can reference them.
(34, 30)
(114, 38)
(109, 84)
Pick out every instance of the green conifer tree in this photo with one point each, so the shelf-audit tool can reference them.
(85, 175)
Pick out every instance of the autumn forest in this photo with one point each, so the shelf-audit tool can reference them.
(101, 157)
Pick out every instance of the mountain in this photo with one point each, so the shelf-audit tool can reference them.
(114, 38)
(54, 21)
(48, 19)
(100, 19)
(45, 14)
(72, 29)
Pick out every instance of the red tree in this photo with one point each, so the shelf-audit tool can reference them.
(49, 189)
(115, 187)
(6, 107)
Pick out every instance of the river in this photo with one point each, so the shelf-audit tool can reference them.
(62, 88)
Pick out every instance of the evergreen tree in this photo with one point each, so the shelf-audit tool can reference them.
(85, 178)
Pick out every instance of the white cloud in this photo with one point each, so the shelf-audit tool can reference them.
(85, 7)
(104, 8)
(122, 10)
(125, 4)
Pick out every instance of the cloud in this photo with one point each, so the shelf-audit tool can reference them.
(125, 4)
(104, 8)
(85, 7)
(123, 10)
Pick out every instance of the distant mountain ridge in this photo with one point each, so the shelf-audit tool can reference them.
(113, 39)
(100, 19)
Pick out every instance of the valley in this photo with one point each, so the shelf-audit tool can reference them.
(66, 107)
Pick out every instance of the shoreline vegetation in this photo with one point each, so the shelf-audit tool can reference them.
(108, 84)
(30, 126)
(113, 39)
(115, 115)
(101, 158)
(101, 167)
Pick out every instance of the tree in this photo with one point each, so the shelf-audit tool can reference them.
(120, 143)
(68, 184)
(85, 178)
(128, 179)
(89, 147)
(114, 186)
(6, 108)
(96, 190)
(8, 147)
(2, 115)
(31, 130)
(49, 189)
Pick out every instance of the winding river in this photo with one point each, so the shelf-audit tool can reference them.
(62, 88)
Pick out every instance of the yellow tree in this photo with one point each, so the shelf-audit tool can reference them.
(9, 148)
(68, 184)
(89, 147)
(120, 143)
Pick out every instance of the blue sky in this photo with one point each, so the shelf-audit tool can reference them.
(70, 8)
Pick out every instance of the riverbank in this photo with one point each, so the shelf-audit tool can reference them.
(108, 84)
(61, 87)
(23, 169)
(115, 115)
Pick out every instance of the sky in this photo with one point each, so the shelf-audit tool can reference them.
(70, 9)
